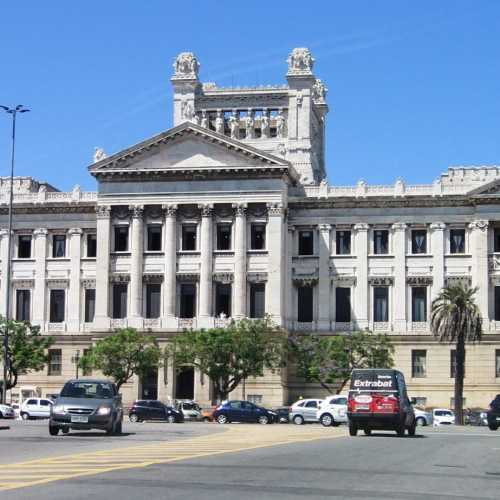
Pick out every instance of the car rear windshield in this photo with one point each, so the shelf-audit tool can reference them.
(442, 413)
(373, 380)
(96, 390)
(190, 406)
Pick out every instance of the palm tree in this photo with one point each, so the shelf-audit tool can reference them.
(455, 317)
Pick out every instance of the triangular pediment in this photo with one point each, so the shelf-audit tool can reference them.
(491, 188)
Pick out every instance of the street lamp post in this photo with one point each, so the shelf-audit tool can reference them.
(76, 360)
(12, 111)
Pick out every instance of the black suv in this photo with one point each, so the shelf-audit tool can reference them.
(148, 409)
(494, 414)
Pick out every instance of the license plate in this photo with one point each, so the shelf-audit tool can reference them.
(79, 419)
(362, 407)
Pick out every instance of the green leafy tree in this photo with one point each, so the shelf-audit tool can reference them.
(330, 360)
(27, 350)
(455, 317)
(123, 354)
(230, 355)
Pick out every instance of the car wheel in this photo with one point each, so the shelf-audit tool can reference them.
(118, 429)
(367, 431)
(263, 419)
(1, 414)
(493, 427)
(298, 420)
(65, 430)
(111, 429)
(400, 430)
(25, 416)
(326, 420)
(53, 430)
(133, 417)
(411, 429)
(353, 429)
(171, 419)
(421, 422)
(222, 419)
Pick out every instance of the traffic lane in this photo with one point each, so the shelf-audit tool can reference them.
(29, 440)
(454, 464)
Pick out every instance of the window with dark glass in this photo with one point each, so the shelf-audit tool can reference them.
(55, 362)
(57, 300)
(305, 304)
(343, 305)
(23, 305)
(258, 236)
(223, 299)
(381, 241)
(453, 363)
(189, 237)
(497, 303)
(343, 242)
(496, 240)
(418, 363)
(223, 236)
(89, 305)
(380, 304)
(419, 303)
(121, 238)
(257, 300)
(120, 300)
(154, 238)
(188, 300)
(497, 363)
(457, 240)
(58, 245)
(306, 243)
(419, 241)
(153, 300)
(24, 246)
(91, 245)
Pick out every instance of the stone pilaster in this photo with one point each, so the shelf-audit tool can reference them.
(361, 291)
(274, 289)
(136, 259)
(206, 247)
(324, 286)
(169, 288)
(40, 294)
(399, 250)
(479, 242)
(437, 249)
(102, 320)
(240, 262)
(4, 249)
(75, 251)
(289, 295)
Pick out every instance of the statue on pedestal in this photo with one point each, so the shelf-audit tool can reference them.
(300, 62)
(219, 123)
(234, 126)
(99, 154)
(186, 66)
(280, 124)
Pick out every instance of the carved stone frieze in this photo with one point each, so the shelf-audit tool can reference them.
(419, 280)
(343, 280)
(152, 278)
(381, 280)
(458, 280)
(103, 211)
(224, 278)
(188, 277)
(119, 278)
(305, 280)
(88, 283)
(23, 284)
(57, 283)
(275, 209)
(257, 277)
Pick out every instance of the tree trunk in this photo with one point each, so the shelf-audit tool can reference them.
(342, 385)
(459, 379)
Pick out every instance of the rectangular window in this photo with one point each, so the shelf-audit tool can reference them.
(258, 236)
(23, 305)
(419, 241)
(305, 304)
(58, 245)
(188, 237)
(418, 363)
(223, 299)
(453, 363)
(342, 305)
(343, 242)
(496, 240)
(223, 236)
(381, 241)
(497, 363)
(55, 362)
(457, 240)
(153, 300)
(306, 243)
(91, 245)
(188, 300)
(87, 372)
(121, 238)
(418, 303)
(497, 303)
(257, 300)
(381, 304)
(24, 246)
(120, 300)
(154, 238)
(57, 300)
(89, 305)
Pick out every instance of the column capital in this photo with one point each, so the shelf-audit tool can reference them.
(399, 226)
(103, 211)
(437, 226)
(481, 225)
(324, 227)
(75, 231)
(240, 209)
(207, 210)
(4, 232)
(275, 209)
(41, 231)
(361, 227)
(170, 210)
(137, 211)
(291, 228)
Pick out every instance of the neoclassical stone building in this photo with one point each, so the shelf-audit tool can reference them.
(229, 214)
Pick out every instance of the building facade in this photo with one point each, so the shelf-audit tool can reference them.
(228, 215)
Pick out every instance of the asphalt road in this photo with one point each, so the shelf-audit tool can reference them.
(445, 463)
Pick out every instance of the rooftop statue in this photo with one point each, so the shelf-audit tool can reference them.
(300, 62)
(319, 92)
(99, 154)
(186, 66)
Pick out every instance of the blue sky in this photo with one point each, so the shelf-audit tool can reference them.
(413, 86)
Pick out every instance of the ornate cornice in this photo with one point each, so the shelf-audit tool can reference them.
(25, 284)
(187, 277)
(381, 280)
(58, 283)
(419, 280)
(305, 280)
(224, 278)
(339, 280)
(119, 278)
(152, 278)
(455, 280)
(257, 277)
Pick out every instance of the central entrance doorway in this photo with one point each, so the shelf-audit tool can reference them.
(149, 385)
(184, 383)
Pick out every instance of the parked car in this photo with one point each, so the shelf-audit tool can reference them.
(190, 409)
(442, 416)
(476, 417)
(333, 410)
(148, 409)
(35, 408)
(6, 411)
(17, 409)
(283, 414)
(378, 400)
(86, 404)
(243, 411)
(493, 415)
(304, 410)
(422, 417)
(207, 414)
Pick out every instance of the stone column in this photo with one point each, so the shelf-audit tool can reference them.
(289, 296)
(240, 262)
(136, 267)
(4, 256)
(102, 320)
(361, 292)
(437, 249)
(75, 250)
(276, 259)
(480, 266)
(170, 283)
(324, 286)
(40, 293)
(206, 265)
(399, 297)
